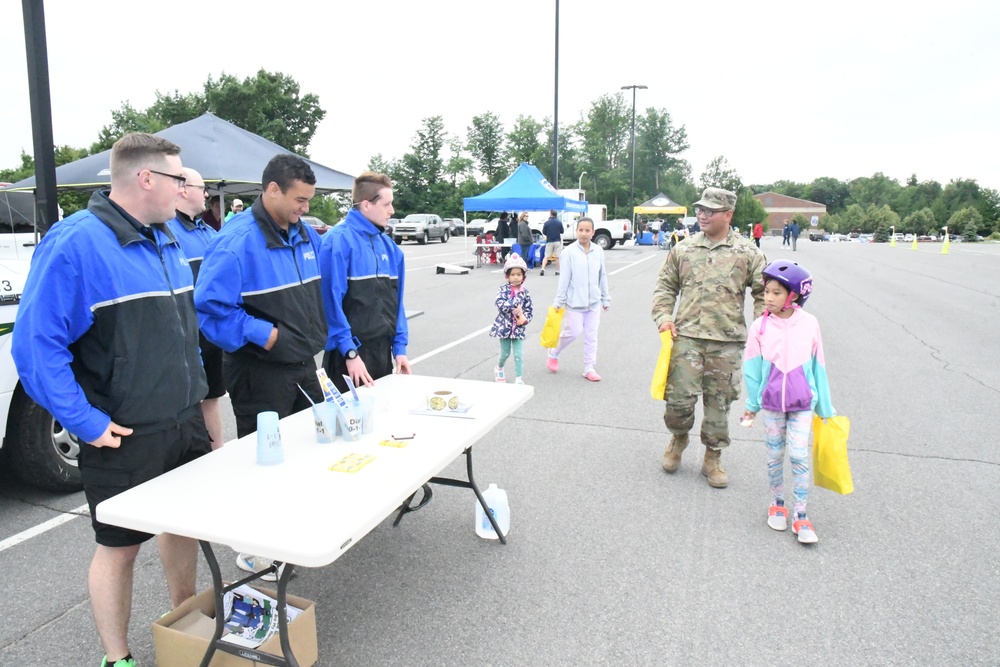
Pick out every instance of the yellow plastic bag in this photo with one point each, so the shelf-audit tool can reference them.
(830, 467)
(552, 328)
(658, 387)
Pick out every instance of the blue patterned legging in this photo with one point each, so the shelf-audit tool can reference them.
(791, 428)
(507, 345)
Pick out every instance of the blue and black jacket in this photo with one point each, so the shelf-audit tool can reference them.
(193, 235)
(362, 286)
(255, 277)
(107, 330)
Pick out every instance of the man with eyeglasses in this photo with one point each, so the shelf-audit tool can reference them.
(258, 298)
(194, 235)
(107, 341)
(708, 274)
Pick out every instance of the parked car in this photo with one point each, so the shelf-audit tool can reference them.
(455, 226)
(908, 238)
(421, 227)
(317, 224)
(391, 225)
(476, 227)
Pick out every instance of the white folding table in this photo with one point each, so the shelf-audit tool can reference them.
(300, 512)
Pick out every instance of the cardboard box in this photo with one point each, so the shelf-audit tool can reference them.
(182, 636)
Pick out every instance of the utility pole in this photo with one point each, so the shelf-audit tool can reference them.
(631, 192)
(46, 203)
(555, 114)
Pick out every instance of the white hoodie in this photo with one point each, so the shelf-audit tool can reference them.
(583, 279)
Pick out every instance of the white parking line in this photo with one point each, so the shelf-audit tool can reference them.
(26, 535)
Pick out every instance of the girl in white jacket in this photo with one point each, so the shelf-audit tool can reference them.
(583, 291)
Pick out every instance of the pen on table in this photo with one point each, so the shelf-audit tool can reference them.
(403, 437)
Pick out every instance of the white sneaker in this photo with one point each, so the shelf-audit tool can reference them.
(777, 517)
(804, 529)
(498, 374)
(518, 380)
(250, 563)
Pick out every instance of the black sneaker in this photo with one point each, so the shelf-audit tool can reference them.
(542, 272)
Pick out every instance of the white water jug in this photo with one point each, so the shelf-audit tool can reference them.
(496, 500)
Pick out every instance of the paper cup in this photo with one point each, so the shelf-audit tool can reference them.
(350, 421)
(325, 418)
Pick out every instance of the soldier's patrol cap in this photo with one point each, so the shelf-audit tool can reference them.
(717, 199)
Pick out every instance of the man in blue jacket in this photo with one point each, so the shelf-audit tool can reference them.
(363, 289)
(258, 297)
(193, 235)
(107, 341)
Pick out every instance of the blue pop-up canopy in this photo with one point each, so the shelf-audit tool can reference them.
(524, 190)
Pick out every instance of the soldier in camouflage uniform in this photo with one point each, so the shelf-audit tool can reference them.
(708, 274)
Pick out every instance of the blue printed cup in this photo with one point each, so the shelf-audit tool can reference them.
(325, 418)
(269, 450)
(349, 419)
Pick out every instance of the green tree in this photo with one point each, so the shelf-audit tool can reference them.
(486, 144)
(853, 219)
(524, 145)
(966, 222)
(569, 157)
(20, 172)
(420, 184)
(916, 195)
(831, 222)
(920, 222)
(878, 189)
(829, 191)
(720, 174)
(749, 211)
(879, 220)
(658, 145)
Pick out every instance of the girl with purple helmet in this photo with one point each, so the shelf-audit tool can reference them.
(785, 374)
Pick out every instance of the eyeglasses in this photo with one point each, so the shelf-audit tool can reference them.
(202, 187)
(181, 180)
(707, 212)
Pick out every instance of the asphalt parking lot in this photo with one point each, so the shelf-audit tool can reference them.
(612, 561)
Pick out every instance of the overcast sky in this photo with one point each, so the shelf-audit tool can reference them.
(784, 90)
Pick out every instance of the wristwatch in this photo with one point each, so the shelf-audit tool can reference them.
(352, 354)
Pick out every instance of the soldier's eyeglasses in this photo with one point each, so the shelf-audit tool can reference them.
(707, 212)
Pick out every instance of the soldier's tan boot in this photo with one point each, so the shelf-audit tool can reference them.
(712, 469)
(672, 457)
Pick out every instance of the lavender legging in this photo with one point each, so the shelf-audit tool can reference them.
(575, 322)
(791, 429)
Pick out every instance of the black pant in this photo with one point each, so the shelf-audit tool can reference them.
(757, 241)
(258, 386)
(377, 355)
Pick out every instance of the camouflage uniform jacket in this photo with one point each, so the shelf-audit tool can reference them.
(710, 279)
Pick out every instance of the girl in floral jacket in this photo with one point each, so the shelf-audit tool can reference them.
(515, 311)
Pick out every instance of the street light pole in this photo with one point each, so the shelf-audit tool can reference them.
(555, 113)
(631, 191)
(579, 183)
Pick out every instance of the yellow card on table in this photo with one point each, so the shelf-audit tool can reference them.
(352, 463)
(394, 443)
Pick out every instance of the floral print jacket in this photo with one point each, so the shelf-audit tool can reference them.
(509, 298)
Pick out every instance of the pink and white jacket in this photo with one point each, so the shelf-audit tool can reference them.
(784, 368)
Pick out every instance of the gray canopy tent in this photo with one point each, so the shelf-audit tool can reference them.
(229, 158)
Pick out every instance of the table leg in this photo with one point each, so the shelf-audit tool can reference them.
(461, 483)
(287, 658)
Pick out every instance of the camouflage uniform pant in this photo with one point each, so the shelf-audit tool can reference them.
(710, 368)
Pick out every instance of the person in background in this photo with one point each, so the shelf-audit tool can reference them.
(258, 298)
(107, 341)
(708, 274)
(213, 215)
(784, 369)
(524, 237)
(363, 277)
(194, 235)
(515, 311)
(793, 232)
(786, 234)
(503, 232)
(235, 209)
(583, 291)
(553, 230)
(758, 232)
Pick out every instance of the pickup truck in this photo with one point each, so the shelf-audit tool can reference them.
(421, 227)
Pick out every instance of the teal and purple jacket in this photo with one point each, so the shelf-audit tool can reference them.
(783, 366)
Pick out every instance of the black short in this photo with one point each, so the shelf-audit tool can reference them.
(108, 471)
(211, 358)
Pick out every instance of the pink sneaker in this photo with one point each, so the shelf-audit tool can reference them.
(553, 364)
(592, 376)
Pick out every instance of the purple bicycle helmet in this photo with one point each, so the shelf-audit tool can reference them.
(793, 277)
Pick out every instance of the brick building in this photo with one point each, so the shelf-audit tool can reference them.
(782, 207)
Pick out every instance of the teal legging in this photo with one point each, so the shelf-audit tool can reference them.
(507, 345)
